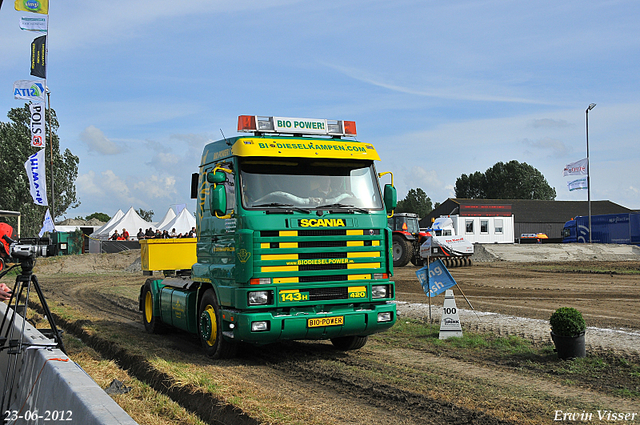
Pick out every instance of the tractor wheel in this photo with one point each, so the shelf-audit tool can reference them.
(210, 329)
(417, 261)
(2, 265)
(152, 324)
(346, 343)
(402, 251)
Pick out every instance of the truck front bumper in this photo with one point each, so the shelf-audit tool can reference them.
(317, 323)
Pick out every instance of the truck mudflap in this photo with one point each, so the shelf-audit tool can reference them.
(331, 322)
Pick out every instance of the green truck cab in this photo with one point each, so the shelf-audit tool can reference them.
(292, 241)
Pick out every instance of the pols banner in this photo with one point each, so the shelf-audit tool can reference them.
(577, 184)
(36, 23)
(37, 125)
(37, 182)
(439, 278)
(35, 6)
(39, 57)
(578, 168)
(29, 90)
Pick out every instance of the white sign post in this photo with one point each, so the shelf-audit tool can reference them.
(450, 322)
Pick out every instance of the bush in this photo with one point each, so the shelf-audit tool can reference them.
(567, 321)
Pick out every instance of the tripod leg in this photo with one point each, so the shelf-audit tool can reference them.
(22, 280)
(13, 296)
(47, 313)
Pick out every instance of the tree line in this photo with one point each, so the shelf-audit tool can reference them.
(511, 180)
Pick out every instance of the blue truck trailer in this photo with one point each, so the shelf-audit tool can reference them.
(622, 228)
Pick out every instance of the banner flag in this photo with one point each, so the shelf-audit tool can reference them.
(439, 278)
(37, 125)
(578, 168)
(38, 57)
(35, 6)
(37, 23)
(577, 184)
(47, 224)
(37, 182)
(29, 90)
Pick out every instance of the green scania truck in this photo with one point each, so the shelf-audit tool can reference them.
(292, 241)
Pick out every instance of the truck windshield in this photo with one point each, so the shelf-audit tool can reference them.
(308, 183)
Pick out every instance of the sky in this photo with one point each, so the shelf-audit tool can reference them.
(440, 88)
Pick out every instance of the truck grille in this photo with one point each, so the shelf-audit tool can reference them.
(319, 255)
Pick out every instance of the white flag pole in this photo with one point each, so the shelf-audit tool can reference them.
(590, 107)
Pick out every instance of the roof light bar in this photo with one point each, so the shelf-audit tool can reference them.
(283, 125)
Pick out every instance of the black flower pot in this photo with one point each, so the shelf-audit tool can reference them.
(569, 347)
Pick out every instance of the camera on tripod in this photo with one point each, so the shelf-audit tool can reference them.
(31, 247)
(23, 250)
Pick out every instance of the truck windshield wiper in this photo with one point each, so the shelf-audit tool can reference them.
(284, 206)
(351, 207)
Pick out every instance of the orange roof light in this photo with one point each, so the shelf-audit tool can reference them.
(247, 123)
(350, 128)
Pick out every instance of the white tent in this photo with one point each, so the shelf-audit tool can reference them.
(183, 222)
(170, 215)
(116, 217)
(130, 221)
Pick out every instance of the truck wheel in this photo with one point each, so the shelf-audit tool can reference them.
(152, 324)
(346, 343)
(402, 251)
(210, 329)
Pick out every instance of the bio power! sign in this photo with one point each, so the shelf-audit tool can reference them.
(303, 125)
(439, 279)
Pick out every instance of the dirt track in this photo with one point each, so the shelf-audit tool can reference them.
(606, 300)
(309, 382)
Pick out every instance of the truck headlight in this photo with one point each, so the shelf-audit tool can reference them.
(384, 317)
(259, 326)
(258, 297)
(379, 291)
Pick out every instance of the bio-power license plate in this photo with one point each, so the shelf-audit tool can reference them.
(325, 321)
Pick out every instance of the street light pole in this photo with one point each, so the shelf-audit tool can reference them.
(590, 107)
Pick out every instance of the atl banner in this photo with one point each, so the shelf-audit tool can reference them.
(37, 125)
(29, 90)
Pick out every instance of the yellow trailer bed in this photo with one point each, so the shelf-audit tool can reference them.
(167, 254)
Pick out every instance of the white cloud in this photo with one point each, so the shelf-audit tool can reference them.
(85, 185)
(556, 147)
(157, 187)
(549, 123)
(95, 139)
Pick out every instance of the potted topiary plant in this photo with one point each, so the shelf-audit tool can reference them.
(567, 332)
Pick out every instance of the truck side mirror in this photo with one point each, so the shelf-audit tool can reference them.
(218, 200)
(194, 185)
(217, 177)
(390, 198)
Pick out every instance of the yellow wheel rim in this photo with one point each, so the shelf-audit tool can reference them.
(209, 325)
(148, 307)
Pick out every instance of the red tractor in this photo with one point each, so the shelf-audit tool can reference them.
(407, 239)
